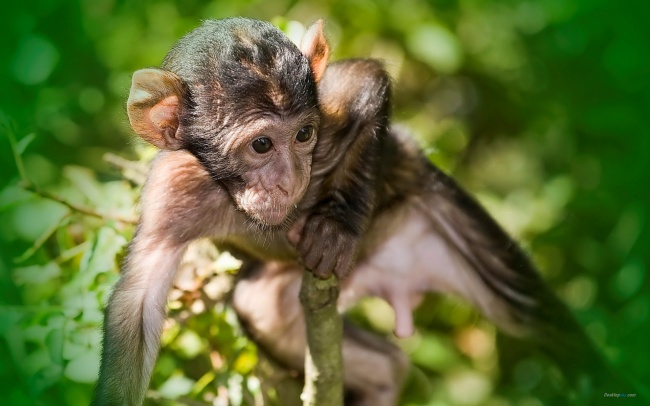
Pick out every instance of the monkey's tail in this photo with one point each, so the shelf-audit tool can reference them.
(495, 264)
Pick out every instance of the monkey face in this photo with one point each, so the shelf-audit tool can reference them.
(276, 156)
(241, 97)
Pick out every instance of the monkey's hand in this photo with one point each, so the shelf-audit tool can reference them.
(324, 245)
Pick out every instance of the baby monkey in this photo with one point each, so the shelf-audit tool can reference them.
(292, 164)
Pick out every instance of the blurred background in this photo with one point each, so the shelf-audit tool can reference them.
(539, 108)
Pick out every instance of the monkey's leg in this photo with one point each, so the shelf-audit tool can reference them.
(266, 300)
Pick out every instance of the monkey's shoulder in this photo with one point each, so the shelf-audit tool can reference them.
(178, 176)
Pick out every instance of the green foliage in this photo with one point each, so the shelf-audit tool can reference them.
(537, 107)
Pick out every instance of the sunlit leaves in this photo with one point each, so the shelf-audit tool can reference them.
(62, 276)
(36, 274)
(84, 367)
(177, 385)
(35, 217)
(437, 47)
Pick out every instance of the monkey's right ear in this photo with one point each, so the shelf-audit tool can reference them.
(153, 107)
(315, 47)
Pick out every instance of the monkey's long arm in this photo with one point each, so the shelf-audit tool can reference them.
(136, 310)
(133, 322)
(354, 98)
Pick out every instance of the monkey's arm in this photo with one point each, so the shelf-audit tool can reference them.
(354, 99)
(179, 203)
(133, 321)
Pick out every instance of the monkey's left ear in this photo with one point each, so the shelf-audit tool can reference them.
(153, 107)
(315, 47)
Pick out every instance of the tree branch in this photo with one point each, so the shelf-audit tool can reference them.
(323, 360)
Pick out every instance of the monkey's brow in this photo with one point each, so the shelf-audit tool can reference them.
(253, 124)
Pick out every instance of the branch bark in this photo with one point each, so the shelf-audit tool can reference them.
(323, 360)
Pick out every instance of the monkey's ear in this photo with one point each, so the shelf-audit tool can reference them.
(153, 107)
(315, 47)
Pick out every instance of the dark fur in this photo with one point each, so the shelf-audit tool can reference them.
(233, 68)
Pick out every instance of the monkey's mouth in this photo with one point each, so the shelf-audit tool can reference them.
(272, 218)
(268, 213)
(267, 210)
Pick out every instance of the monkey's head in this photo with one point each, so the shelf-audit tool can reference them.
(241, 97)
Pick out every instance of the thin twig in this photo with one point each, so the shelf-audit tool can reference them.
(134, 171)
(28, 185)
(9, 130)
(323, 360)
(79, 209)
(42, 239)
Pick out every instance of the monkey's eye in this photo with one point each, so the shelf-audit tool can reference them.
(304, 134)
(262, 145)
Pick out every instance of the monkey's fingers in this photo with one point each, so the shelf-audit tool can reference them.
(344, 262)
(295, 231)
(312, 255)
(314, 262)
(327, 263)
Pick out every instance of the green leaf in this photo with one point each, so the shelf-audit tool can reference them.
(34, 218)
(22, 145)
(36, 361)
(41, 240)
(34, 60)
(102, 256)
(54, 343)
(36, 274)
(83, 368)
(85, 181)
(175, 386)
(13, 195)
(15, 344)
(36, 333)
(189, 344)
(93, 315)
(434, 352)
(73, 305)
(72, 350)
(245, 362)
(90, 336)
